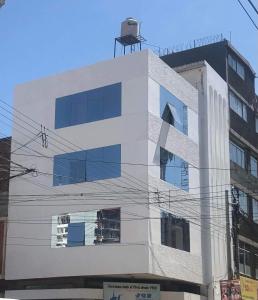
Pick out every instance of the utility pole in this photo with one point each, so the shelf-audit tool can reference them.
(235, 229)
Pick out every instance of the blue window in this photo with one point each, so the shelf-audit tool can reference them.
(89, 106)
(70, 168)
(103, 163)
(88, 165)
(173, 111)
(76, 234)
(174, 170)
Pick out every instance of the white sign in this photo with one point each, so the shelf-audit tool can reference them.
(131, 291)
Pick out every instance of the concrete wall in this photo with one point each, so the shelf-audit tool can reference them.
(215, 174)
(140, 132)
(29, 255)
(166, 261)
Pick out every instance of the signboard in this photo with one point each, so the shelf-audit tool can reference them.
(230, 290)
(131, 291)
(249, 288)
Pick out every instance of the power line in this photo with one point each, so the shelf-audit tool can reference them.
(247, 14)
(253, 6)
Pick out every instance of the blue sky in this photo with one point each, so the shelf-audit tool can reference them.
(39, 38)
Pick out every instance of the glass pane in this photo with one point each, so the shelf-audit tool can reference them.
(247, 263)
(78, 108)
(76, 234)
(77, 165)
(240, 70)
(237, 105)
(63, 112)
(103, 163)
(232, 150)
(243, 202)
(173, 111)
(253, 165)
(232, 62)
(95, 107)
(88, 106)
(112, 159)
(244, 112)
(174, 170)
(61, 170)
(174, 232)
(237, 154)
(256, 124)
(112, 101)
(108, 226)
(86, 228)
(255, 210)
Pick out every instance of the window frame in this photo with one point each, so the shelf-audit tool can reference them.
(238, 106)
(243, 247)
(255, 211)
(244, 205)
(169, 223)
(67, 164)
(180, 180)
(173, 111)
(89, 106)
(101, 231)
(237, 66)
(253, 166)
(238, 150)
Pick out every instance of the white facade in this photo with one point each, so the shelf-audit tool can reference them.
(139, 192)
(215, 164)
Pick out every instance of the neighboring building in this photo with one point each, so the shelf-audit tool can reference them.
(130, 200)
(5, 153)
(240, 78)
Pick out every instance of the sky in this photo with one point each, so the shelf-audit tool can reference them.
(41, 38)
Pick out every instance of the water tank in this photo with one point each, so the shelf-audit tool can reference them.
(130, 26)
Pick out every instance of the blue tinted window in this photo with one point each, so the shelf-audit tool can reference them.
(174, 170)
(89, 106)
(173, 111)
(70, 168)
(76, 234)
(103, 163)
(88, 165)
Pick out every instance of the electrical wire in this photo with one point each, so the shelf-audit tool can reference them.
(249, 16)
(253, 6)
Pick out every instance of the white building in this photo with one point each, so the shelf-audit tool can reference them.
(127, 191)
